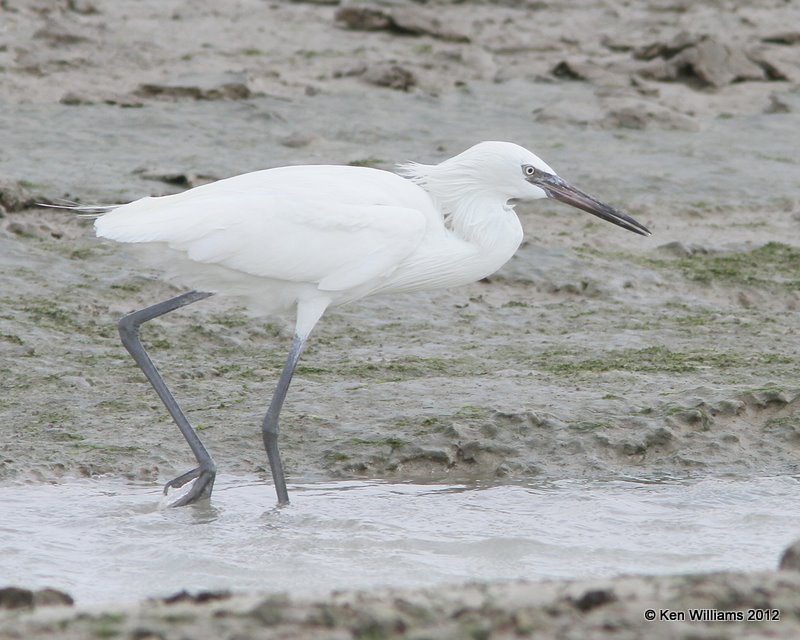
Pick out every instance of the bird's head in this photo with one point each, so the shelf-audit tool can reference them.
(513, 172)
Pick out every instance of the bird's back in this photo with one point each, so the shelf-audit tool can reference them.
(318, 191)
(332, 228)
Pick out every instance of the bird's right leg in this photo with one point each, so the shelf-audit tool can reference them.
(129, 332)
(308, 313)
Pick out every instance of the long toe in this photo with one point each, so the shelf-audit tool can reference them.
(177, 483)
(200, 489)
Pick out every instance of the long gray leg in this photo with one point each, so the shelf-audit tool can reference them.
(129, 332)
(270, 427)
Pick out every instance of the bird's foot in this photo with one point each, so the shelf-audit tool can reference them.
(200, 490)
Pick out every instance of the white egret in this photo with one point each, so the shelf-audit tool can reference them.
(312, 237)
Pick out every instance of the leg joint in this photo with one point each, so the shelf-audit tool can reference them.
(128, 328)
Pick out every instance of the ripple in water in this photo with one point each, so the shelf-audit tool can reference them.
(108, 541)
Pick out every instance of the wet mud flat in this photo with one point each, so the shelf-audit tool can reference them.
(597, 609)
(592, 354)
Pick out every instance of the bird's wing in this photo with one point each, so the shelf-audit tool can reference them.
(297, 239)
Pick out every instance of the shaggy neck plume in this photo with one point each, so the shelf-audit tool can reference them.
(470, 209)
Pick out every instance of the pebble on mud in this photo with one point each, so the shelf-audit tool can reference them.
(224, 87)
(701, 59)
(75, 99)
(587, 71)
(19, 598)
(594, 598)
(186, 179)
(14, 196)
(200, 597)
(72, 98)
(773, 65)
(402, 20)
(82, 7)
(233, 91)
(785, 38)
(632, 113)
(297, 140)
(57, 37)
(390, 75)
(776, 105)
(790, 560)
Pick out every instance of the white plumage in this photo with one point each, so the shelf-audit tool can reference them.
(316, 236)
(335, 233)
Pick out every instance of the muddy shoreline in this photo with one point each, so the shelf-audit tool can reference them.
(598, 609)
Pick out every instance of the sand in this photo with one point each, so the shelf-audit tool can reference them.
(594, 353)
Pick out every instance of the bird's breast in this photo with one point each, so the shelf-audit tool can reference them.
(448, 260)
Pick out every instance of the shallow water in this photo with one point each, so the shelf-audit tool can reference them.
(106, 540)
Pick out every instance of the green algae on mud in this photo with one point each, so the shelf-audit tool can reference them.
(394, 370)
(653, 359)
(774, 266)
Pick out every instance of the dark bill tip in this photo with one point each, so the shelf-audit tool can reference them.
(561, 190)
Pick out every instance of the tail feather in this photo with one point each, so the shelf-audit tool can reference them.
(83, 210)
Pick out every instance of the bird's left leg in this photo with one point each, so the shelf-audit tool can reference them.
(269, 428)
(206, 470)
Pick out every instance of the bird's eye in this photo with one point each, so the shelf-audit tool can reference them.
(528, 170)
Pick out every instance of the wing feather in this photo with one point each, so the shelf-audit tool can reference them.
(279, 232)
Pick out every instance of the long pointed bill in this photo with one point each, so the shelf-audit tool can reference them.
(561, 190)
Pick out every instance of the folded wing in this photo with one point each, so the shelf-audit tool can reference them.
(277, 231)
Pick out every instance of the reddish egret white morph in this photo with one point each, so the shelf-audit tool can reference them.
(311, 237)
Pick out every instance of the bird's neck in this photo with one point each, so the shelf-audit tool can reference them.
(479, 218)
(492, 230)
(471, 210)
(484, 220)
